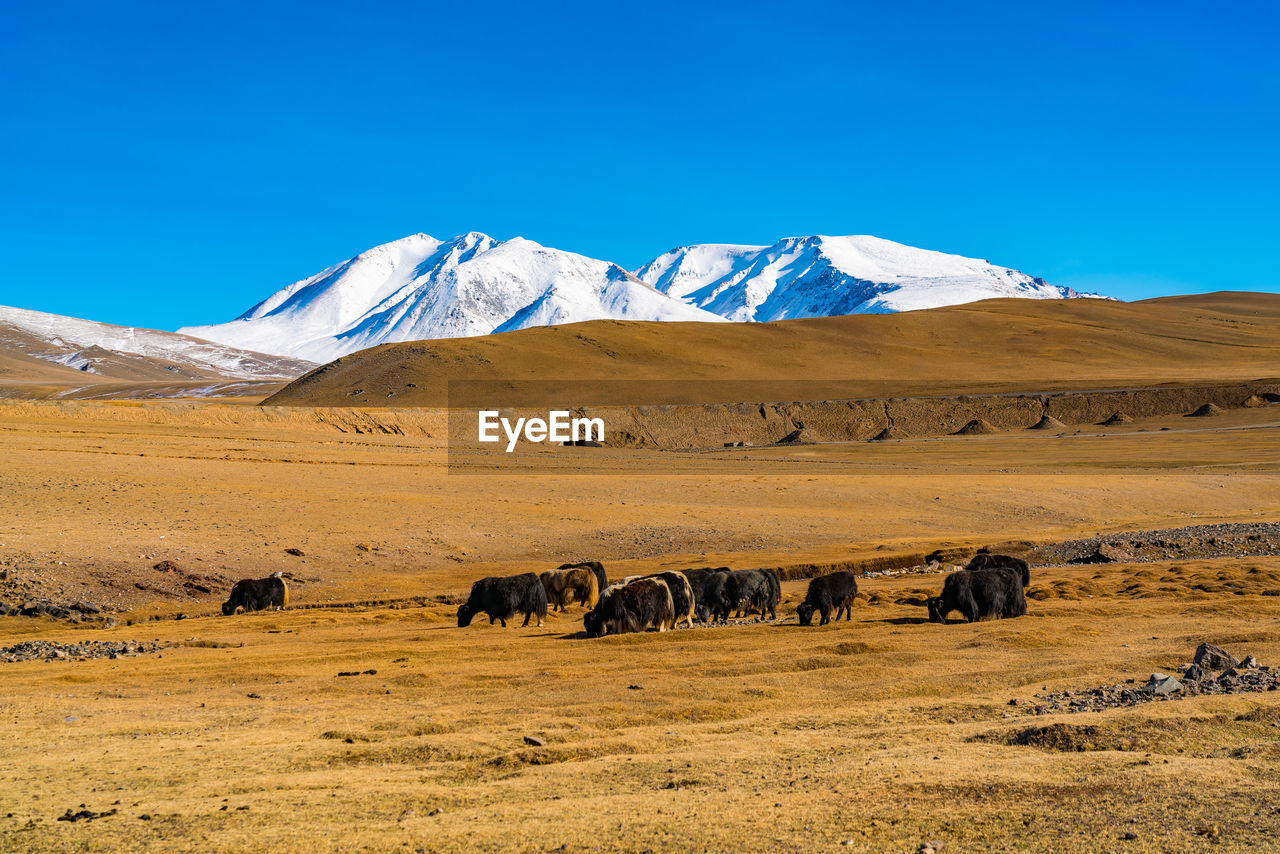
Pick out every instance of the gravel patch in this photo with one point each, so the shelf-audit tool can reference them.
(39, 650)
(1192, 680)
(1241, 539)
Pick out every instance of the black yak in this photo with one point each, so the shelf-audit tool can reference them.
(985, 594)
(831, 592)
(634, 607)
(257, 594)
(774, 596)
(697, 581)
(986, 560)
(504, 597)
(711, 593)
(754, 589)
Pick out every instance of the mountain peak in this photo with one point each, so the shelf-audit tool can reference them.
(821, 275)
(472, 238)
(409, 242)
(419, 287)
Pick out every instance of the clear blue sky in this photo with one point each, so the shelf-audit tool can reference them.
(172, 163)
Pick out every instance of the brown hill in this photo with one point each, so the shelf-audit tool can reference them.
(994, 345)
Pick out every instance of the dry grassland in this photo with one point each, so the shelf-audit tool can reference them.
(97, 493)
(884, 732)
(887, 731)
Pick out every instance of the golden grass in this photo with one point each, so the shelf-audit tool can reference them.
(887, 731)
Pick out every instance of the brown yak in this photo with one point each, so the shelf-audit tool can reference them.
(565, 586)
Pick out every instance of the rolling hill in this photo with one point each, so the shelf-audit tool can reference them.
(989, 346)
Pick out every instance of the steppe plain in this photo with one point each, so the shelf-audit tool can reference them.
(885, 733)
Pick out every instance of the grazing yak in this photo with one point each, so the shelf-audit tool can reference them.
(985, 594)
(624, 608)
(698, 580)
(569, 584)
(683, 601)
(831, 592)
(602, 580)
(592, 621)
(257, 594)
(711, 593)
(754, 589)
(504, 597)
(986, 560)
(775, 593)
(697, 576)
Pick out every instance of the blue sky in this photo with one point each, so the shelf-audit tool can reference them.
(165, 164)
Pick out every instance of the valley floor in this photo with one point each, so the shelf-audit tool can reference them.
(879, 734)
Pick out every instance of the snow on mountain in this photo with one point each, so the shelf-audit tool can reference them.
(682, 271)
(98, 348)
(420, 287)
(822, 276)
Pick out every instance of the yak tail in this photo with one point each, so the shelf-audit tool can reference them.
(593, 591)
(284, 600)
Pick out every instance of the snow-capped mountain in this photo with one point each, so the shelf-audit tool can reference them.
(129, 352)
(822, 276)
(420, 287)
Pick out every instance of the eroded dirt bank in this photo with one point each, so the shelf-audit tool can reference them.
(721, 425)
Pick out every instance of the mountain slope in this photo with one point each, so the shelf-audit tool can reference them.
(92, 352)
(421, 288)
(821, 276)
(991, 346)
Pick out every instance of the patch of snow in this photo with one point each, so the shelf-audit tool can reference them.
(67, 337)
(75, 360)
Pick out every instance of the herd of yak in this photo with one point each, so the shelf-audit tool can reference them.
(990, 587)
